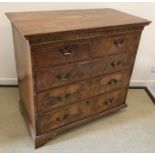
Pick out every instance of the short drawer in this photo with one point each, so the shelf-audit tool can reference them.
(78, 91)
(110, 100)
(55, 119)
(102, 103)
(59, 53)
(66, 74)
(110, 82)
(104, 46)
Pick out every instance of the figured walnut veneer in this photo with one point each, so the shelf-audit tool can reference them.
(73, 66)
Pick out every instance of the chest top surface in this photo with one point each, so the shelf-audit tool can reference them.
(43, 22)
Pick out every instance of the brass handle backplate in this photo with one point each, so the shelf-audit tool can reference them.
(116, 64)
(62, 98)
(119, 42)
(66, 50)
(56, 99)
(63, 77)
(109, 102)
(92, 65)
(61, 118)
(112, 82)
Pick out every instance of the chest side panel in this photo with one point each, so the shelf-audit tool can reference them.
(25, 75)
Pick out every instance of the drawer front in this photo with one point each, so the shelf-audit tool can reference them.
(59, 53)
(61, 96)
(87, 108)
(72, 113)
(112, 45)
(102, 103)
(110, 82)
(55, 119)
(75, 92)
(110, 100)
(61, 75)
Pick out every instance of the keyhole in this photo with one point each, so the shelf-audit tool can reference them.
(87, 102)
(58, 118)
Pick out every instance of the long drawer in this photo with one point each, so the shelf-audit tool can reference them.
(66, 74)
(78, 91)
(74, 112)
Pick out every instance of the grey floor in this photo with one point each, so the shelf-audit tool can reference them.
(129, 130)
(152, 90)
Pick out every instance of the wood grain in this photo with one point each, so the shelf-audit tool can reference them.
(57, 97)
(32, 23)
(25, 75)
(52, 77)
(73, 66)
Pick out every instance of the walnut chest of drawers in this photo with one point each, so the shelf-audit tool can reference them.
(73, 66)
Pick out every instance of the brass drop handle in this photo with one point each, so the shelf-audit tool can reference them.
(65, 116)
(66, 50)
(115, 64)
(109, 102)
(112, 82)
(63, 77)
(63, 98)
(119, 42)
(66, 96)
(55, 99)
(91, 65)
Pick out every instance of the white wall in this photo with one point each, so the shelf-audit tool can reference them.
(146, 53)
